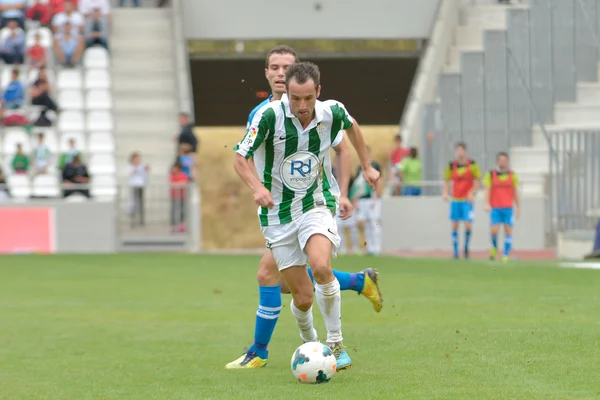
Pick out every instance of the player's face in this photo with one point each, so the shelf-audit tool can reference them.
(275, 72)
(460, 153)
(503, 162)
(303, 98)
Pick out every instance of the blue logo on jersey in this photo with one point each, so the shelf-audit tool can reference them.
(301, 167)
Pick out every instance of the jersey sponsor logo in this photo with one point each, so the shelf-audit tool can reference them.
(300, 170)
(320, 129)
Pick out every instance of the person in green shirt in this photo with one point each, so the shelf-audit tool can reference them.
(411, 172)
(20, 162)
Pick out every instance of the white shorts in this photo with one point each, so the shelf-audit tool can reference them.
(369, 210)
(287, 241)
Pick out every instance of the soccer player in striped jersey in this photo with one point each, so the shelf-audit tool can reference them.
(270, 283)
(502, 202)
(465, 175)
(293, 185)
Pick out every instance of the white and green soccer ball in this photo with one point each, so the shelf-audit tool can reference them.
(313, 362)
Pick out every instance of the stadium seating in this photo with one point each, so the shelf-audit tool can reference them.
(83, 95)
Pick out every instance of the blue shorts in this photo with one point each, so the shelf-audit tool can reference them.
(411, 191)
(461, 211)
(502, 216)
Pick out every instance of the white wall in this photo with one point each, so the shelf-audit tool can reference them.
(300, 19)
(422, 224)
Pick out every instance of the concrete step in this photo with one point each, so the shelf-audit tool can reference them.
(472, 35)
(534, 159)
(486, 15)
(577, 113)
(125, 84)
(454, 54)
(588, 92)
(162, 121)
(133, 64)
(124, 45)
(133, 16)
(157, 102)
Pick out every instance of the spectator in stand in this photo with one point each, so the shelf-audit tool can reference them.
(162, 3)
(39, 12)
(138, 179)
(187, 132)
(395, 156)
(12, 10)
(13, 47)
(87, 7)
(135, 3)
(40, 92)
(179, 180)
(37, 53)
(67, 157)
(410, 169)
(4, 191)
(58, 6)
(14, 94)
(75, 173)
(69, 15)
(96, 30)
(41, 156)
(68, 47)
(20, 162)
(187, 161)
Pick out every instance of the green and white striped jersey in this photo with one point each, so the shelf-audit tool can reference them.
(295, 163)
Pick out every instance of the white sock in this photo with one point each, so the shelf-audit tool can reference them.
(304, 320)
(329, 300)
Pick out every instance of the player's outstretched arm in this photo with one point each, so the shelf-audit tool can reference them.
(357, 139)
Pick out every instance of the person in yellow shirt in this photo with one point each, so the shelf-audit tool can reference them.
(502, 202)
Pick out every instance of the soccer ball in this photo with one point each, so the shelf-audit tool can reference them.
(313, 362)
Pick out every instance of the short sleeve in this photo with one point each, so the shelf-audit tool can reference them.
(338, 139)
(487, 179)
(448, 173)
(475, 170)
(515, 180)
(258, 130)
(341, 117)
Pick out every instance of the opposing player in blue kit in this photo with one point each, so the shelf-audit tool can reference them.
(270, 283)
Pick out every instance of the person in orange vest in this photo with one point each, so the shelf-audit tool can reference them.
(502, 202)
(465, 176)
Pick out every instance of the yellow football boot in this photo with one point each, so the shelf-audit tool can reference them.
(248, 360)
(371, 289)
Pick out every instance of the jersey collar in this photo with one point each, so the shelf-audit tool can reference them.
(319, 110)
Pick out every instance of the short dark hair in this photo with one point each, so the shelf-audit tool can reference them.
(302, 72)
(414, 152)
(462, 145)
(502, 154)
(280, 50)
(398, 137)
(40, 135)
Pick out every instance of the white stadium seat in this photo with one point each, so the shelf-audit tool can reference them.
(71, 121)
(4, 33)
(19, 185)
(98, 99)
(45, 37)
(70, 99)
(96, 57)
(99, 121)
(97, 79)
(80, 143)
(101, 142)
(46, 186)
(32, 2)
(76, 198)
(69, 79)
(12, 136)
(102, 164)
(104, 186)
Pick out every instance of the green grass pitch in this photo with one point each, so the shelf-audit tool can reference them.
(153, 326)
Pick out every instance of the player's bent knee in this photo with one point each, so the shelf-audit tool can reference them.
(268, 274)
(303, 300)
